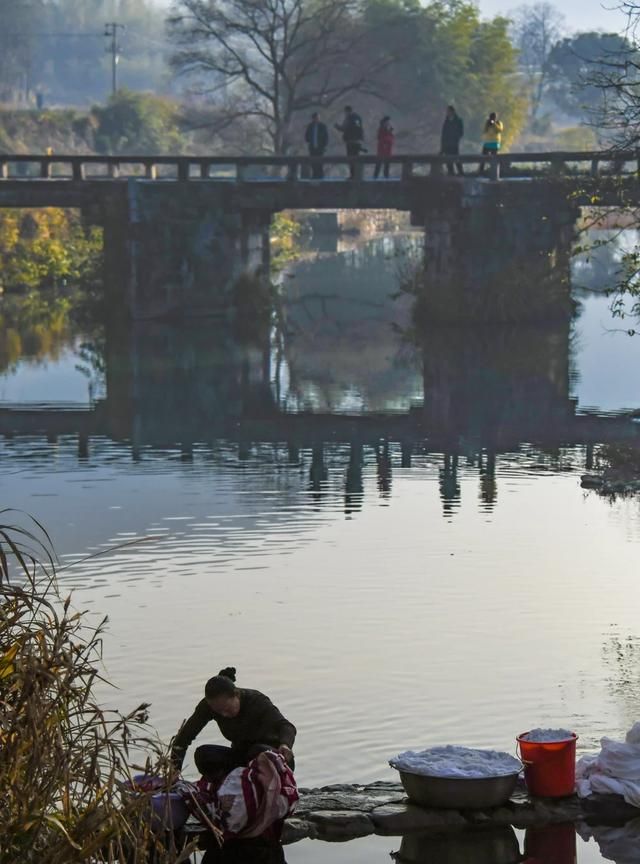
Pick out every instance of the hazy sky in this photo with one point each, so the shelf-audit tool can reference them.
(578, 14)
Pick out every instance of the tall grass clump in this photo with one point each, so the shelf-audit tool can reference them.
(64, 759)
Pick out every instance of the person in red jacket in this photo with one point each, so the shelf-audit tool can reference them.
(386, 140)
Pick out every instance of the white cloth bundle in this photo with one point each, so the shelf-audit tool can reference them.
(615, 770)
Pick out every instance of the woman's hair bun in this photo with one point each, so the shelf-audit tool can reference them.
(229, 672)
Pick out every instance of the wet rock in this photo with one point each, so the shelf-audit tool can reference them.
(591, 481)
(607, 810)
(501, 816)
(526, 818)
(563, 810)
(341, 797)
(298, 829)
(403, 818)
(476, 817)
(341, 824)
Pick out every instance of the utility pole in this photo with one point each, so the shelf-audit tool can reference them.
(111, 32)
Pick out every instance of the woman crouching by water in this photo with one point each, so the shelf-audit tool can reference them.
(246, 718)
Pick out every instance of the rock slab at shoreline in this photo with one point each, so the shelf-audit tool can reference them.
(348, 811)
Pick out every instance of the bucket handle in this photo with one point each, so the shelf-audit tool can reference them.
(525, 762)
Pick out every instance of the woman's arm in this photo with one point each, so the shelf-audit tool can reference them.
(189, 730)
(271, 723)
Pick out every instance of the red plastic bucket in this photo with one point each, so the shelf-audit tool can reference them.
(549, 766)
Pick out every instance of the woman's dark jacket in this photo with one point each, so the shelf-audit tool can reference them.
(321, 136)
(452, 132)
(258, 722)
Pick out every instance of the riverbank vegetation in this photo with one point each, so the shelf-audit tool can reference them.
(50, 281)
(64, 759)
(128, 122)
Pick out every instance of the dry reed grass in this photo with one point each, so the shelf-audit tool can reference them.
(64, 759)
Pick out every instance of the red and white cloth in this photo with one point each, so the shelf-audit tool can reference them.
(251, 801)
(260, 797)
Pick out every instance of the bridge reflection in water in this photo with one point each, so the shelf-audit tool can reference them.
(486, 391)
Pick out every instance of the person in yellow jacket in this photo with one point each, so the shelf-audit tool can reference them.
(491, 137)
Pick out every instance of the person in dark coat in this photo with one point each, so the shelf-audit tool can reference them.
(352, 135)
(317, 138)
(246, 718)
(452, 132)
(385, 142)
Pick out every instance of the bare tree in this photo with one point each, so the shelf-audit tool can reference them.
(617, 76)
(536, 30)
(273, 59)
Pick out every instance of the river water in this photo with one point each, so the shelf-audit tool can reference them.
(385, 596)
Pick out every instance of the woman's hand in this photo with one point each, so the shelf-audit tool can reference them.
(286, 752)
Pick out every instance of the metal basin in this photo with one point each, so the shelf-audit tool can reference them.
(454, 793)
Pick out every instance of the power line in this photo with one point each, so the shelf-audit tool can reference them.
(165, 44)
(52, 35)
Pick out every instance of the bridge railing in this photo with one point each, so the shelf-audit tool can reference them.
(303, 168)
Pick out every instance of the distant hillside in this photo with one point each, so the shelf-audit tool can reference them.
(130, 122)
(65, 131)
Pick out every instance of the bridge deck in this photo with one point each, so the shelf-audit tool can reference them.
(269, 194)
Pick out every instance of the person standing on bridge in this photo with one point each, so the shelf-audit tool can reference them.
(386, 140)
(491, 138)
(452, 132)
(352, 135)
(317, 138)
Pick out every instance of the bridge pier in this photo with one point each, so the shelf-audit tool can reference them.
(496, 253)
(176, 250)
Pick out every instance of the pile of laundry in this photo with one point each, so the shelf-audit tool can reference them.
(251, 801)
(615, 770)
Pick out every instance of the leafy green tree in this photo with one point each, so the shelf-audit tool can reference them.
(575, 65)
(133, 123)
(50, 266)
(443, 54)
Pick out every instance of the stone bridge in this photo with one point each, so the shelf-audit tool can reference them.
(179, 231)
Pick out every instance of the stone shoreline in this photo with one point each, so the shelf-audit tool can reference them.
(346, 812)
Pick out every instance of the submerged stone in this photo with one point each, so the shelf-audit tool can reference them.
(406, 817)
(341, 824)
(364, 799)
(298, 829)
